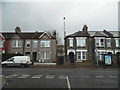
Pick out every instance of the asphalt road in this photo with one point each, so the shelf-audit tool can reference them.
(60, 78)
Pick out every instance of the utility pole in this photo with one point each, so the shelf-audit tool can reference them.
(64, 37)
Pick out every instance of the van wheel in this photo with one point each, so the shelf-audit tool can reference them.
(22, 65)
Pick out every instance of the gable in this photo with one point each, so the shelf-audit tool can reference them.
(16, 36)
(45, 36)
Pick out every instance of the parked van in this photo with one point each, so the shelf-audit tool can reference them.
(17, 61)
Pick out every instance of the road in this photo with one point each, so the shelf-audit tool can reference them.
(60, 78)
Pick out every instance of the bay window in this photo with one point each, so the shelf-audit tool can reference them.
(45, 43)
(16, 43)
(81, 42)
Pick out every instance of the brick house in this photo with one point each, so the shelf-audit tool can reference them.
(40, 46)
(83, 46)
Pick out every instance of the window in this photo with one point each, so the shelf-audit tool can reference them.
(81, 55)
(99, 42)
(45, 55)
(117, 42)
(108, 42)
(28, 43)
(16, 43)
(45, 43)
(99, 55)
(35, 43)
(70, 42)
(81, 42)
(1, 43)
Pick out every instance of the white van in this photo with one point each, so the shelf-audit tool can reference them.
(17, 61)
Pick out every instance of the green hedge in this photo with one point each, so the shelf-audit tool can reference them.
(6, 56)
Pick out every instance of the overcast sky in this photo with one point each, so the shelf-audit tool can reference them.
(46, 16)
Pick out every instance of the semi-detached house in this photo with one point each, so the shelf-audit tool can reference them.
(90, 46)
(40, 46)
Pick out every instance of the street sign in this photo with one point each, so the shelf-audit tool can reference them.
(108, 59)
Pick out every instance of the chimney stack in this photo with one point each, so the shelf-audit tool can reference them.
(85, 28)
(17, 30)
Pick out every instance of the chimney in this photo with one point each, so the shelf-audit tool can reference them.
(17, 30)
(54, 33)
(85, 28)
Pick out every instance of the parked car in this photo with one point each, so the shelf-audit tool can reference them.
(17, 61)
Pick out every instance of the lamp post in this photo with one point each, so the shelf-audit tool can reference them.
(64, 36)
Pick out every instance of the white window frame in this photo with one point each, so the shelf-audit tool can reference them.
(99, 42)
(99, 56)
(35, 43)
(71, 42)
(46, 55)
(28, 42)
(16, 43)
(81, 41)
(45, 43)
(108, 43)
(81, 55)
(118, 42)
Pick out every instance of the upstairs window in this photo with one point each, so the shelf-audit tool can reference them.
(99, 42)
(35, 43)
(1, 43)
(45, 43)
(70, 42)
(16, 43)
(28, 43)
(108, 41)
(81, 42)
(117, 42)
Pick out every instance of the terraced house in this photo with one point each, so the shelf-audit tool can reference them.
(89, 46)
(40, 46)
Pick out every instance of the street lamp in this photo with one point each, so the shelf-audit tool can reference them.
(64, 36)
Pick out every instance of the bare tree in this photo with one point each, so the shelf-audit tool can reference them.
(56, 35)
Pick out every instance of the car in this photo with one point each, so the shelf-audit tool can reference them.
(17, 61)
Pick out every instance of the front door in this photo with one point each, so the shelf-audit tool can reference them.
(71, 57)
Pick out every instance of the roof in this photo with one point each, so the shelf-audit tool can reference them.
(108, 34)
(79, 34)
(23, 35)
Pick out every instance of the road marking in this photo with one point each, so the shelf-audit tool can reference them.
(62, 77)
(50, 76)
(112, 76)
(99, 76)
(38, 75)
(35, 77)
(8, 77)
(68, 83)
(25, 75)
(22, 77)
(86, 76)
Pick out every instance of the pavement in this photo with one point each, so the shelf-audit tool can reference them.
(47, 65)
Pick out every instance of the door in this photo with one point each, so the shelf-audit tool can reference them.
(10, 62)
(34, 56)
(71, 57)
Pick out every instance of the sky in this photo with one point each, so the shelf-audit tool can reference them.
(47, 15)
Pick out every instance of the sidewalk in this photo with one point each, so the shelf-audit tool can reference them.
(38, 65)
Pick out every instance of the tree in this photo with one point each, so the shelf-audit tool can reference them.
(56, 35)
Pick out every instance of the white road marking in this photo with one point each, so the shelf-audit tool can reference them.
(50, 76)
(8, 77)
(35, 77)
(99, 76)
(86, 76)
(38, 75)
(68, 83)
(62, 77)
(25, 75)
(112, 76)
(22, 77)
